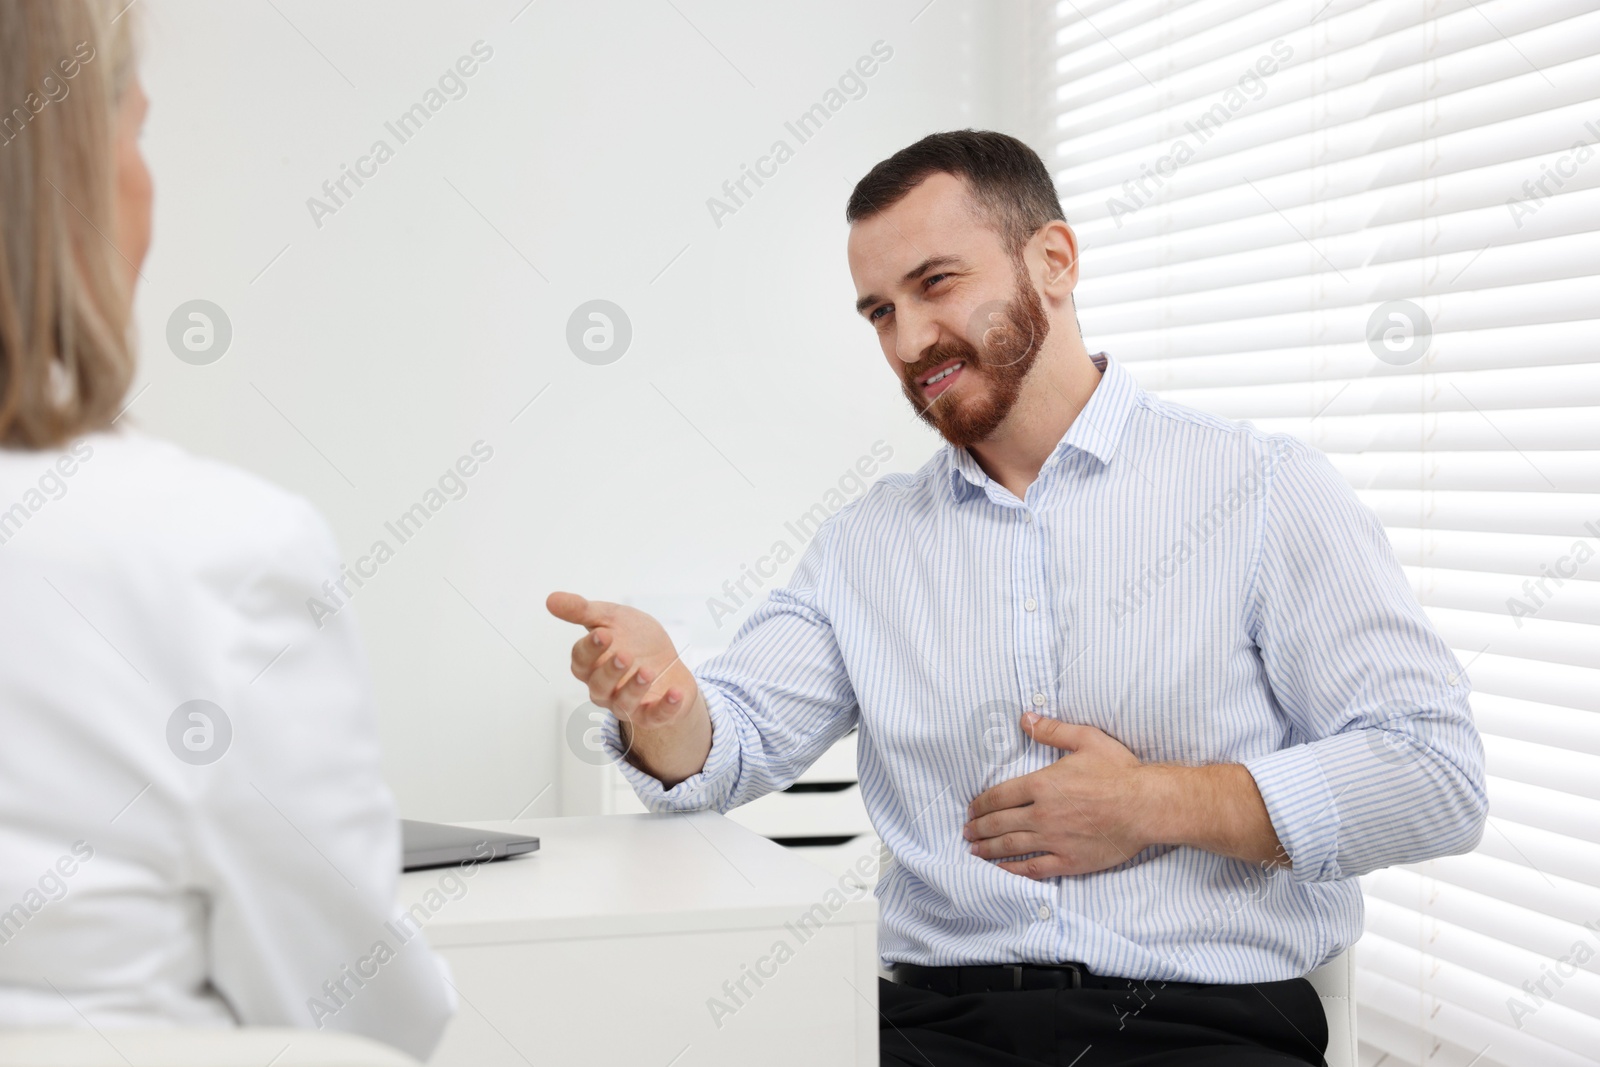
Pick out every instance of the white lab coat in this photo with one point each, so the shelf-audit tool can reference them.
(137, 886)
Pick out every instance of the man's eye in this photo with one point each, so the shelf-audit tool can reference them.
(934, 280)
(879, 312)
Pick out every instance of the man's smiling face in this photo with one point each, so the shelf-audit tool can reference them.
(957, 316)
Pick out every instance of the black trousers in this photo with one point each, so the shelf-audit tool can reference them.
(1144, 1024)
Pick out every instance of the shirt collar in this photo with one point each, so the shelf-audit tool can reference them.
(1097, 430)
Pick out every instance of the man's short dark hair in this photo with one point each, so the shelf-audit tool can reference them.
(1007, 178)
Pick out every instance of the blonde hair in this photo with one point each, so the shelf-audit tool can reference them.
(65, 355)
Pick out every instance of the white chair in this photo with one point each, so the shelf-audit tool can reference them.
(1335, 984)
(244, 1047)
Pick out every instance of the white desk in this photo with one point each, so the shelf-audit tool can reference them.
(610, 944)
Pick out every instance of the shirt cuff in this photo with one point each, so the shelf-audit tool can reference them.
(1303, 811)
(708, 789)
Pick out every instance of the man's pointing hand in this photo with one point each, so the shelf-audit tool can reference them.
(628, 662)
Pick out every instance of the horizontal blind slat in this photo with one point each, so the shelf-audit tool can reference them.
(1498, 553)
(1521, 470)
(1344, 316)
(1537, 639)
(1546, 683)
(1560, 514)
(1442, 277)
(1515, 596)
(1570, 902)
(1573, 817)
(1544, 724)
(1536, 430)
(1507, 348)
(1565, 387)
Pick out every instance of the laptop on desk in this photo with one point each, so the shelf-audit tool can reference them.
(432, 844)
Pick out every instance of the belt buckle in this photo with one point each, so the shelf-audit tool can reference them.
(1017, 970)
(1073, 969)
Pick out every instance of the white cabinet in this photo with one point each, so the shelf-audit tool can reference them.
(631, 940)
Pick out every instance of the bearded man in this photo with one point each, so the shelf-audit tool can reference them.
(1140, 691)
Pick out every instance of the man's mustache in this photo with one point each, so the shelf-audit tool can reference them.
(938, 354)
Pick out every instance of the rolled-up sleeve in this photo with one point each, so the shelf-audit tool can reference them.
(778, 697)
(1381, 763)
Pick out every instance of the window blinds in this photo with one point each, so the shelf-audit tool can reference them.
(1372, 224)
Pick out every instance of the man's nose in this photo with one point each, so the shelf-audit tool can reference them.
(914, 335)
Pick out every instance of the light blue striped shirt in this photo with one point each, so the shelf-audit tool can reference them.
(1200, 591)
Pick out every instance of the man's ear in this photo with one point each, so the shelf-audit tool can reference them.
(1058, 248)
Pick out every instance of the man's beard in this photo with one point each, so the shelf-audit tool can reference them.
(1012, 336)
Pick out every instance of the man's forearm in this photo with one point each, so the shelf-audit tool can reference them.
(1215, 807)
(672, 751)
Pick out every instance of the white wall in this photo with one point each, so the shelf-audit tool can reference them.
(405, 327)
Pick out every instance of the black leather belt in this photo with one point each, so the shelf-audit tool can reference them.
(1002, 977)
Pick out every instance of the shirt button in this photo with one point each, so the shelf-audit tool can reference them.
(1030, 604)
(1038, 700)
(1044, 912)
(1027, 516)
